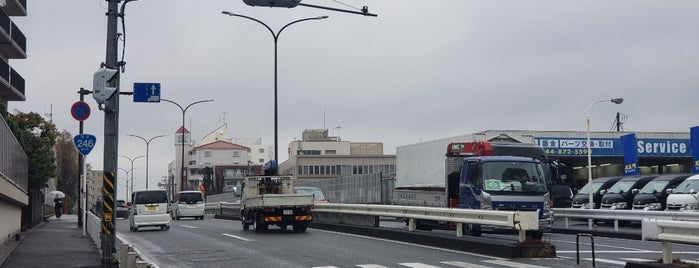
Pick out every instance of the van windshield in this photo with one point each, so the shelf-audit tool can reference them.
(621, 187)
(654, 187)
(151, 197)
(686, 186)
(595, 188)
(190, 198)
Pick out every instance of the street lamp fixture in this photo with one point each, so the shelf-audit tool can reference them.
(131, 159)
(591, 203)
(147, 141)
(275, 36)
(184, 110)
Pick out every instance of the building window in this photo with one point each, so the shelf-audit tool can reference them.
(305, 170)
(371, 169)
(333, 170)
(262, 150)
(327, 170)
(354, 170)
(207, 153)
(330, 152)
(236, 153)
(316, 170)
(261, 160)
(322, 170)
(299, 170)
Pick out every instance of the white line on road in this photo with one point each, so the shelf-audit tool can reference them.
(418, 265)
(190, 227)
(371, 266)
(606, 261)
(464, 264)
(513, 264)
(630, 252)
(236, 237)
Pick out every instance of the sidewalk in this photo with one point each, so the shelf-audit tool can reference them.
(56, 243)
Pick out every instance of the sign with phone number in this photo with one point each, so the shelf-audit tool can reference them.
(613, 147)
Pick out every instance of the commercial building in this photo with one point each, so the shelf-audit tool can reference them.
(319, 156)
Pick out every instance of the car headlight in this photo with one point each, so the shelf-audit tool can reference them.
(691, 206)
(653, 206)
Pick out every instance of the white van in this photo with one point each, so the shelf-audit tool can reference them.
(149, 209)
(188, 204)
(685, 196)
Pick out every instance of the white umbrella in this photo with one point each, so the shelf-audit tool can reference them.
(56, 194)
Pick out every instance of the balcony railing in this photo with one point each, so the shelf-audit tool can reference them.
(12, 41)
(17, 81)
(13, 160)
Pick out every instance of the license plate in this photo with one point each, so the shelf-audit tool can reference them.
(152, 208)
(190, 206)
(288, 212)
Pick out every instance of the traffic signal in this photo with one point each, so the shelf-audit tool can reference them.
(100, 90)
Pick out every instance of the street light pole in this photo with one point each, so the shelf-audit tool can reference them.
(591, 203)
(147, 144)
(276, 38)
(184, 110)
(130, 159)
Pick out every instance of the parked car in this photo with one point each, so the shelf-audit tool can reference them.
(582, 198)
(561, 196)
(654, 195)
(685, 196)
(122, 209)
(318, 196)
(188, 204)
(150, 208)
(620, 195)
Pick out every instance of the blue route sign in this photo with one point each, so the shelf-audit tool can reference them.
(146, 92)
(84, 143)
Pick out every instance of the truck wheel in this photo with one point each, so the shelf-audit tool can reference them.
(535, 234)
(300, 227)
(474, 229)
(246, 226)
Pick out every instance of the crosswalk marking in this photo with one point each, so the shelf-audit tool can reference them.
(371, 266)
(418, 265)
(513, 264)
(606, 261)
(464, 264)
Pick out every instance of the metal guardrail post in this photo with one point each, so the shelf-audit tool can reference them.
(577, 247)
(411, 225)
(667, 252)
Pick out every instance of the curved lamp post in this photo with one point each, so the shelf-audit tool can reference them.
(184, 110)
(591, 205)
(276, 38)
(131, 159)
(147, 141)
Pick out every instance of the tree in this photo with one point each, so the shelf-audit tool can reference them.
(37, 139)
(67, 178)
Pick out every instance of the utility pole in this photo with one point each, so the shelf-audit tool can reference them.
(111, 142)
(82, 206)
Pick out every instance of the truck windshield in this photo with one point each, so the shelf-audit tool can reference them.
(510, 177)
(686, 186)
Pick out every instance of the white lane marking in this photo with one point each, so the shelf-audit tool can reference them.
(418, 265)
(464, 264)
(637, 259)
(325, 267)
(190, 227)
(236, 237)
(513, 264)
(370, 266)
(606, 261)
(411, 244)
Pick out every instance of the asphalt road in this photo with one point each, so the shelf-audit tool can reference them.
(223, 243)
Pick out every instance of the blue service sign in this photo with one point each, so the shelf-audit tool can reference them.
(146, 92)
(84, 143)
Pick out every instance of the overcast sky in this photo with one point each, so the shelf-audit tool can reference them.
(421, 70)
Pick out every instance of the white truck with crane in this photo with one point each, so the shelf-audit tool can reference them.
(475, 175)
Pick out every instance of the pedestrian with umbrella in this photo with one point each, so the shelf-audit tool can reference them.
(58, 197)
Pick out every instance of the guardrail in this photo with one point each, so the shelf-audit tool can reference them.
(668, 231)
(127, 255)
(518, 220)
(620, 215)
